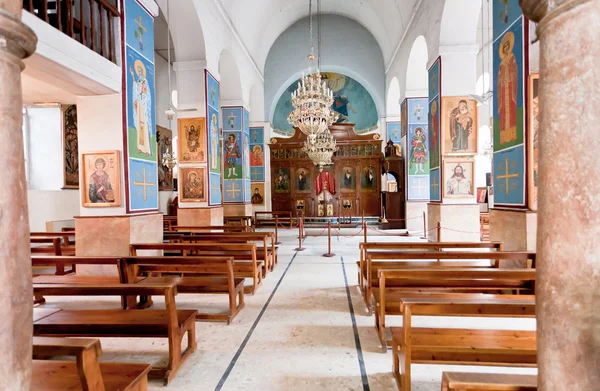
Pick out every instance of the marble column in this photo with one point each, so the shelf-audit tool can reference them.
(16, 42)
(568, 281)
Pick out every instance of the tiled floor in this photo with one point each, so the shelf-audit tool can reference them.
(298, 331)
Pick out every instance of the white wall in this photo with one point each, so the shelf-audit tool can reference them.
(100, 126)
(347, 48)
(43, 141)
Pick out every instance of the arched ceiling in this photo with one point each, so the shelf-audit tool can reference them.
(259, 22)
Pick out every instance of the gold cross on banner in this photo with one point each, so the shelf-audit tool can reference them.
(233, 190)
(507, 176)
(143, 29)
(419, 186)
(144, 184)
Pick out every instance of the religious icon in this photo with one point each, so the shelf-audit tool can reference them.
(302, 179)
(165, 146)
(257, 156)
(533, 142)
(282, 181)
(459, 178)
(192, 140)
(246, 157)
(192, 184)
(70, 148)
(142, 107)
(368, 179)
(258, 194)
(139, 32)
(459, 126)
(325, 189)
(214, 142)
(418, 151)
(348, 181)
(232, 158)
(508, 81)
(101, 179)
(434, 128)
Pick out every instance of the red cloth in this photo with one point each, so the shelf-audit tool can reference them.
(325, 178)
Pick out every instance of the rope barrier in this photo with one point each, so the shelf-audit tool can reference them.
(348, 237)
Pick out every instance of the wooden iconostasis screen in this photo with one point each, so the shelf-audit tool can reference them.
(356, 173)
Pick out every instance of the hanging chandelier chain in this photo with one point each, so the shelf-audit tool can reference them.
(310, 28)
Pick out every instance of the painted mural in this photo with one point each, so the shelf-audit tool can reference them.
(509, 91)
(459, 125)
(417, 153)
(257, 154)
(394, 132)
(352, 102)
(139, 109)
(213, 138)
(70, 148)
(403, 118)
(510, 50)
(434, 122)
(236, 154)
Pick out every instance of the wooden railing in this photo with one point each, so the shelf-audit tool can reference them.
(93, 23)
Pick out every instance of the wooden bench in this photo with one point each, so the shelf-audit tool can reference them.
(60, 262)
(211, 275)
(269, 251)
(85, 373)
(366, 247)
(399, 259)
(394, 283)
(65, 236)
(272, 217)
(239, 220)
(170, 323)
(244, 255)
(464, 381)
(213, 228)
(461, 346)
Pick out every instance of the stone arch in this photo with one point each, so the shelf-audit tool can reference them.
(230, 84)
(183, 19)
(459, 22)
(392, 102)
(417, 81)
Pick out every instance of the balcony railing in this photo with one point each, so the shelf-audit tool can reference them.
(93, 23)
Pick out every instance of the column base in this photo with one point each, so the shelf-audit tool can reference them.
(517, 229)
(200, 217)
(238, 210)
(460, 222)
(413, 210)
(111, 236)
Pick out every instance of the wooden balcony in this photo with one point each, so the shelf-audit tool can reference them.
(93, 23)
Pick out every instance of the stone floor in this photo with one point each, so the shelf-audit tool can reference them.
(306, 329)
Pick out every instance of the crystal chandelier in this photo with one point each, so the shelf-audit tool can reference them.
(322, 149)
(313, 99)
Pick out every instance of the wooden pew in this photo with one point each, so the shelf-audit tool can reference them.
(52, 246)
(170, 323)
(462, 346)
(365, 247)
(282, 217)
(461, 381)
(394, 283)
(85, 373)
(244, 254)
(109, 262)
(212, 228)
(211, 275)
(269, 251)
(377, 260)
(65, 236)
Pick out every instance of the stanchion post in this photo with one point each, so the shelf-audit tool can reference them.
(300, 235)
(439, 231)
(424, 227)
(364, 225)
(277, 230)
(363, 217)
(329, 253)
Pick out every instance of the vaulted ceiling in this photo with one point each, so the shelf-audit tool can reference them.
(259, 22)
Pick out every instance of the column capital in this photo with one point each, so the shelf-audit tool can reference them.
(537, 10)
(16, 39)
